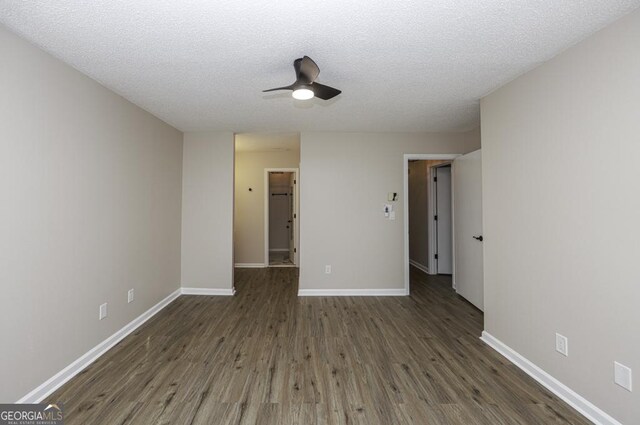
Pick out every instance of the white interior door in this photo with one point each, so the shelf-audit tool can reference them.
(444, 234)
(467, 192)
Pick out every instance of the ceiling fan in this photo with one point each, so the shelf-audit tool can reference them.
(305, 86)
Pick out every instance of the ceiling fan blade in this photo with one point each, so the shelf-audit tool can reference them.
(324, 92)
(279, 88)
(306, 68)
(296, 66)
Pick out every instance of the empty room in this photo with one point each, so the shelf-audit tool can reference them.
(349, 212)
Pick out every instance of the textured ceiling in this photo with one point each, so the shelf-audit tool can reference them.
(415, 65)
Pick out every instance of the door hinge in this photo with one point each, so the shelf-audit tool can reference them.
(435, 256)
(435, 179)
(295, 216)
(435, 217)
(294, 181)
(295, 250)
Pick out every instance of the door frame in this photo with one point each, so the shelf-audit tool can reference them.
(296, 209)
(405, 178)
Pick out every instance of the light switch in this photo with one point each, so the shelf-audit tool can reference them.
(103, 311)
(392, 215)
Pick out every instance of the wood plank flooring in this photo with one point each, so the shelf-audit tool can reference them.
(266, 356)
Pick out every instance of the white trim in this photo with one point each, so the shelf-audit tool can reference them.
(351, 292)
(405, 201)
(573, 399)
(60, 378)
(208, 291)
(419, 266)
(296, 227)
(250, 265)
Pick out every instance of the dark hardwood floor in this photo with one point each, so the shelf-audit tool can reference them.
(266, 356)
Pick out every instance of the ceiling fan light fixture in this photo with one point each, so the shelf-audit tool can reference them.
(305, 87)
(302, 93)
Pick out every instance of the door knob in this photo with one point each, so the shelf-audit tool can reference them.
(479, 238)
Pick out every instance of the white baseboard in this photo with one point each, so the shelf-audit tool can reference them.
(419, 266)
(250, 265)
(582, 405)
(207, 291)
(57, 380)
(352, 292)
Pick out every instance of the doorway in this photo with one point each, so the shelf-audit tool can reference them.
(255, 155)
(452, 202)
(281, 217)
(422, 223)
(421, 213)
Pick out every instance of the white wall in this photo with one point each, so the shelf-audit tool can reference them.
(344, 181)
(561, 186)
(249, 207)
(207, 210)
(90, 190)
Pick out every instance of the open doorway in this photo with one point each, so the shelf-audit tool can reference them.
(429, 215)
(259, 157)
(443, 220)
(281, 218)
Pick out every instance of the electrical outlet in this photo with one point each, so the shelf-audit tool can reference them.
(562, 344)
(327, 269)
(103, 311)
(622, 376)
(130, 296)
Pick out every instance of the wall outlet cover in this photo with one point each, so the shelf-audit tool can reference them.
(622, 376)
(562, 344)
(130, 295)
(327, 269)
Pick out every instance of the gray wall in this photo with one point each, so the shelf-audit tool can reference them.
(344, 182)
(207, 211)
(561, 182)
(90, 190)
